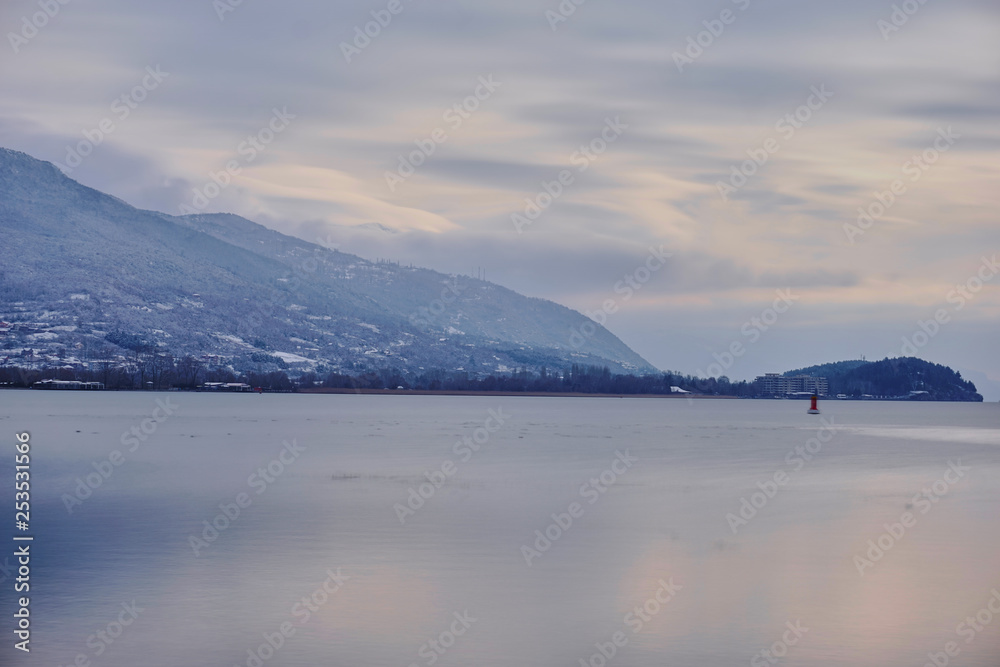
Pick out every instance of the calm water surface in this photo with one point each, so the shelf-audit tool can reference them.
(635, 495)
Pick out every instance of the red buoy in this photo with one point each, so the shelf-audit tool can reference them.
(813, 410)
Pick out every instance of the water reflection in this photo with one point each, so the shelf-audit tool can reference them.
(660, 525)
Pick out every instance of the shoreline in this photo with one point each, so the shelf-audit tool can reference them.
(460, 392)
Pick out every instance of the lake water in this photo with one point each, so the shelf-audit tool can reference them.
(640, 500)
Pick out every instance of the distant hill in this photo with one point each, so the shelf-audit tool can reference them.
(85, 278)
(900, 377)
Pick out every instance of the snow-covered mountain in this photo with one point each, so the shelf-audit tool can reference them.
(84, 277)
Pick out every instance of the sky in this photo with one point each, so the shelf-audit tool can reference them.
(823, 176)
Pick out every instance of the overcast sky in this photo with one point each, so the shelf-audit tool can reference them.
(872, 97)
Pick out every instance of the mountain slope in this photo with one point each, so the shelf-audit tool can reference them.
(80, 267)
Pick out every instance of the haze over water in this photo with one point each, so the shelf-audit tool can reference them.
(662, 519)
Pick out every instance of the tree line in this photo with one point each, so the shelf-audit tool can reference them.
(163, 372)
(158, 372)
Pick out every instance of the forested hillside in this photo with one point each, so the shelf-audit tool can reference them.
(894, 378)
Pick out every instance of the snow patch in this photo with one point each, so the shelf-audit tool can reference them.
(236, 340)
(290, 358)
